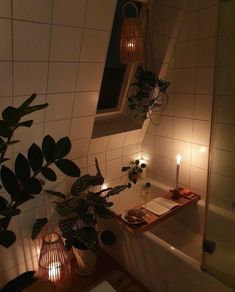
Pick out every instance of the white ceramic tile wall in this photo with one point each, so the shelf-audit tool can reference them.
(185, 124)
(57, 49)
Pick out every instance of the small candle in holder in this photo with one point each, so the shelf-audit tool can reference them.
(178, 159)
(54, 271)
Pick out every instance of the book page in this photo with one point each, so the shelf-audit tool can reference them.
(169, 204)
(156, 208)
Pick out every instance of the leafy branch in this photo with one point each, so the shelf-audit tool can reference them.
(23, 183)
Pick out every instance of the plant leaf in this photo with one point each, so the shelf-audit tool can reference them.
(27, 124)
(68, 167)
(35, 157)
(22, 169)
(3, 204)
(56, 194)
(11, 115)
(89, 237)
(10, 183)
(28, 101)
(48, 173)
(48, 145)
(62, 148)
(7, 238)
(108, 238)
(5, 130)
(21, 282)
(37, 227)
(33, 186)
(34, 108)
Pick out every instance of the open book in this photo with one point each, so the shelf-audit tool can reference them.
(161, 205)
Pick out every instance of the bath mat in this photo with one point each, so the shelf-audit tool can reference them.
(120, 282)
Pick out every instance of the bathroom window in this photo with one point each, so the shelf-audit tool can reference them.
(114, 82)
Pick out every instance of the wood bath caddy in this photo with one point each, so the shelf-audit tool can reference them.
(151, 219)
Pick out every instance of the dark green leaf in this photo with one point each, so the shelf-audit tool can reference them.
(11, 116)
(34, 108)
(143, 165)
(56, 194)
(33, 186)
(68, 167)
(10, 183)
(12, 142)
(48, 173)
(35, 157)
(10, 212)
(5, 130)
(48, 145)
(108, 238)
(137, 162)
(20, 283)
(62, 148)
(3, 204)
(26, 124)
(125, 168)
(22, 169)
(28, 101)
(7, 238)
(37, 227)
(88, 236)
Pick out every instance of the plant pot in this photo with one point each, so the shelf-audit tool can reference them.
(86, 261)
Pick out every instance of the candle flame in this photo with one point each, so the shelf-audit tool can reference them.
(54, 271)
(178, 158)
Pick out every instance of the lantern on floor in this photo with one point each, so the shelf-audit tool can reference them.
(54, 264)
(131, 38)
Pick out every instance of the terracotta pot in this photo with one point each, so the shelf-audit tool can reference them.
(86, 261)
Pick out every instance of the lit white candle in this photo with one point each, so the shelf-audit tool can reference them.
(178, 159)
(54, 271)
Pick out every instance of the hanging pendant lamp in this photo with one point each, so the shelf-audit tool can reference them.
(131, 38)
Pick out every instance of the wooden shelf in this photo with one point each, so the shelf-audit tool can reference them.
(152, 219)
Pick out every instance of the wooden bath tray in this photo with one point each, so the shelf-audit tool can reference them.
(152, 219)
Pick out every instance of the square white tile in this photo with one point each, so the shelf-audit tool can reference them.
(33, 10)
(89, 76)
(62, 77)
(30, 77)
(31, 41)
(60, 106)
(81, 128)
(6, 37)
(201, 132)
(94, 45)
(100, 14)
(69, 12)
(85, 103)
(5, 8)
(65, 43)
(182, 129)
(6, 79)
(57, 129)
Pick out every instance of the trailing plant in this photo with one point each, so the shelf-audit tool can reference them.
(81, 210)
(134, 170)
(149, 94)
(23, 183)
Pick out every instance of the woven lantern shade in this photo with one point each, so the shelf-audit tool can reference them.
(131, 41)
(54, 264)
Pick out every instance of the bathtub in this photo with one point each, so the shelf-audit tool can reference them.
(167, 258)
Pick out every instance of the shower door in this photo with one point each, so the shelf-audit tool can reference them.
(219, 237)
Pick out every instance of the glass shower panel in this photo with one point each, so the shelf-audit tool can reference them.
(219, 240)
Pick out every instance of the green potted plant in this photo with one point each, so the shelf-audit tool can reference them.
(80, 213)
(23, 183)
(134, 170)
(148, 94)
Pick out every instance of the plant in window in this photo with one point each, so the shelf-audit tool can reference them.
(149, 94)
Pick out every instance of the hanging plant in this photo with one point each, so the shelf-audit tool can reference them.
(149, 94)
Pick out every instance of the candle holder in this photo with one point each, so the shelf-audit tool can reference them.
(54, 264)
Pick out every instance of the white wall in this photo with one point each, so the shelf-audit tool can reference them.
(57, 49)
(185, 124)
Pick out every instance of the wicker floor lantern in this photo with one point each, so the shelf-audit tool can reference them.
(131, 38)
(54, 262)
